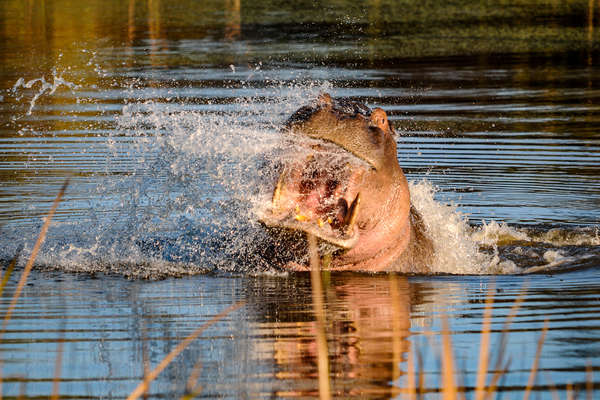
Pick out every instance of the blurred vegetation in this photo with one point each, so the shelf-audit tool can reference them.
(34, 33)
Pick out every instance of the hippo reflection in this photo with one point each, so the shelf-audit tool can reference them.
(367, 330)
(343, 184)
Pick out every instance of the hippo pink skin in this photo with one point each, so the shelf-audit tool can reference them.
(343, 184)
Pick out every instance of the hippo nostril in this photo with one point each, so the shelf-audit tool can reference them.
(330, 186)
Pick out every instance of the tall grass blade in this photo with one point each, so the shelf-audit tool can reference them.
(411, 386)
(493, 386)
(5, 277)
(534, 367)
(399, 323)
(507, 322)
(318, 309)
(194, 392)
(484, 346)
(57, 370)
(420, 375)
(145, 360)
(449, 390)
(9, 269)
(32, 257)
(192, 387)
(499, 368)
(137, 392)
(570, 395)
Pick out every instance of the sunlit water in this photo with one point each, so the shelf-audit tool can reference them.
(166, 126)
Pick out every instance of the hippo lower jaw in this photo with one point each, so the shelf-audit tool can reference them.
(337, 242)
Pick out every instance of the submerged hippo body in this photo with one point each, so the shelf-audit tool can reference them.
(343, 184)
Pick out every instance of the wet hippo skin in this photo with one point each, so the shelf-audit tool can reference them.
(344, 185)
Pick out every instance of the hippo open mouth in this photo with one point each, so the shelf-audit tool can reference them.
(318, 192)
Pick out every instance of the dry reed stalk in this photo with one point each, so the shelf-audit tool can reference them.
(145, 360)
(318, 309)
(192, 387)
(25, 274)
(36, 249)
(57, 370)
(449, 389)
(195, 391)
(9, 270)
(421, 380)
(536, 361)
(499, 368)
(397, 330)
(139, 390)
(570, 395)
(396, 325)
(512, 314)
(411, 388)
(500, 371)
(484, 346)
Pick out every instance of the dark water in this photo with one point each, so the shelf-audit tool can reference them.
(162, 114)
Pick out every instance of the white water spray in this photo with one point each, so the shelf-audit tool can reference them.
(179, 192)
(41, 87)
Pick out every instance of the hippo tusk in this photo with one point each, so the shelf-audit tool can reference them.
(278, 187)
(352, 215)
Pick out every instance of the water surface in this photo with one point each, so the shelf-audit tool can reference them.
(163, 114)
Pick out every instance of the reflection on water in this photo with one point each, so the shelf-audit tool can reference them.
(267, 349)
(164, 113)
(223, 32)
(368, 323)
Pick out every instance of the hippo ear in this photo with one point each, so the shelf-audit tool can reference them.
(324, 100)
(379, 120)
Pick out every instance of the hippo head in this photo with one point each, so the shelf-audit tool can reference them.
(343, 184)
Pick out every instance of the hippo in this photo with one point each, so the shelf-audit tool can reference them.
(342, 183)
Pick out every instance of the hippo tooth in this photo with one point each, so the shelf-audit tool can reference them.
(277, 191)
(352, 214)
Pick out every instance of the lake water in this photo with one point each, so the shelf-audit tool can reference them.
(164, 114)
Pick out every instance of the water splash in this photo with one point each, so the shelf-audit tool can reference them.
(179, 191)
(497, 248)
(457, 246)
(176, 193)
(41, 87)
